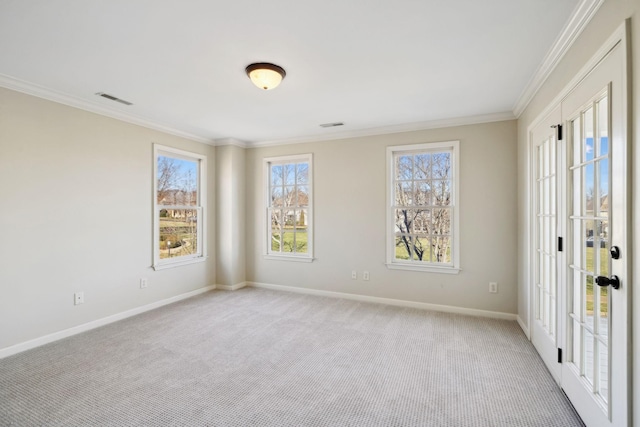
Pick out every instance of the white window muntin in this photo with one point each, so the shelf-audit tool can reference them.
(269, 251)
(197, 213)
(452, 267)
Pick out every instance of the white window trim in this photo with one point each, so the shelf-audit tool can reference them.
(308, 257)
(392, 263)
(161, 264)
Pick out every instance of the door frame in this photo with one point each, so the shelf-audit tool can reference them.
(621, 36)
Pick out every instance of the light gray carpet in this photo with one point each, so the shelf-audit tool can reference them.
(255, 357)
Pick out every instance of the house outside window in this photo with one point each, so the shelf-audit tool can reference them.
(179, 178)
(423, 208)
(289, 207)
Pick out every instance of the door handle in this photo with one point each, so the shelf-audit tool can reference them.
(614, 281)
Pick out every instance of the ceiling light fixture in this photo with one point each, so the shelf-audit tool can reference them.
(264, 75)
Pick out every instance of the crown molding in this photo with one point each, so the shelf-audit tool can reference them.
(582, 15)
(72, 101)
(230, 141)
(384, 130)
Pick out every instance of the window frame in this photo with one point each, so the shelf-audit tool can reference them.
(282, 256)
(453, 267)
(200, 207)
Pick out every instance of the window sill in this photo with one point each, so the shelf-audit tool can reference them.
(289, 258)
(426, 269)
(166, 265)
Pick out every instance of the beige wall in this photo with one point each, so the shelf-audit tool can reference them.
(76, 215)
(610, 16)
(349, 185)
(230, 215)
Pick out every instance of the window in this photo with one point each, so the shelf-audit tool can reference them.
(289, 213)
(422, 216)
(179, 178)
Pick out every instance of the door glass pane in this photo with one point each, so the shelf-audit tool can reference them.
(588, 134)
(604, 314)
(589, 243)
(576, 347)
(589, 300)
(576, 126)
(588, 189)
(603, 187)
(577, 183)
(577, 295)
(552, 194)
(604, 248)
(604, 371)
(588, 356)
(546, 158)
(603, 126)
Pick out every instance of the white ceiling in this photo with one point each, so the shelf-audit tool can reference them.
(370, 64)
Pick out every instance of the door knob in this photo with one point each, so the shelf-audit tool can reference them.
(615, 252)
(614, 281)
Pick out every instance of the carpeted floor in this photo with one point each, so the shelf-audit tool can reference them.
(256, 357)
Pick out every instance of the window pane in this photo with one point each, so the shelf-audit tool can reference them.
(303, 196)
(302, 173)
(289, 198)
(441, 249)
(276, 219)
(277, 198)
(422, 222)
(276, 175)
(422, 249)
(288, 241)
(289, 173)
(403, 247)
(404, 168)
(289, 218)
(441, 221)
(404, 194)
(276, 239)
(422, 193)
(177, 182)
(441, 193)
(422, 166)
(441, 165)
(178, 232)
(404, 220)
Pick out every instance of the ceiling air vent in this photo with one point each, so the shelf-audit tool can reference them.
(113, 98)
(330, 125)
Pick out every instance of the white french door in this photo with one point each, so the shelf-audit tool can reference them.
(596, 315)
(580, 298)
(547, 156)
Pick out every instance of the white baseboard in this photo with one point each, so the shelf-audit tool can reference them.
(388, 301)
(37, 342)
(232, 287)
(524, 327)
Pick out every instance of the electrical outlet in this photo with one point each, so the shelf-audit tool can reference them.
(365, 275)
(493, 287)
(143, 283)
(354, 275)
(78, 298)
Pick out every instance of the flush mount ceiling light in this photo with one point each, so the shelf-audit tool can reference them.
(264, 75)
